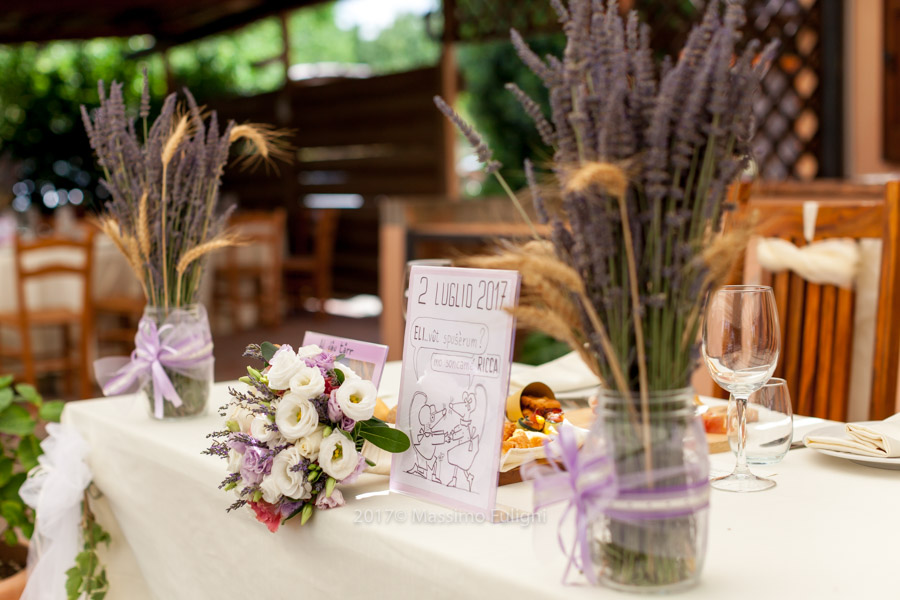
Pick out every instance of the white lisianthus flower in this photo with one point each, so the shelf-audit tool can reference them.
(293, 484)
(295, 416)
(308, 446)
(271, 493)
(349, 374)
(338, 456)
(309, 351)
(357, 399)
(308, 383)
(285, 364)
(241, 416)
(235, 459)
(260, 430)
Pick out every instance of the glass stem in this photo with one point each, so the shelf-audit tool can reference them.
(741, 467)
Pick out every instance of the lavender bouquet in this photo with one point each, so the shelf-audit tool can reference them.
(164, 182)
(296, 431)
(643, 154)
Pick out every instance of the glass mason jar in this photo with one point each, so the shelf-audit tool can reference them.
(652, 536)
(190, 381)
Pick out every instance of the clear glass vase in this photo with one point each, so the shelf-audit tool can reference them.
(190, 381)
(652, 536)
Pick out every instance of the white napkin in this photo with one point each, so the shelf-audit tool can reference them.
(565, 374)
(880, 440)
(828, 262)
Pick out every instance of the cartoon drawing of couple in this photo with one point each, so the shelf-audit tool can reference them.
(457, 446)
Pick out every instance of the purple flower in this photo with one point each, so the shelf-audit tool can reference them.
(282, 348)
(335, 415)
(257, 464)
(347, 424)
(289, 508)
(360, 467)
(335, 500)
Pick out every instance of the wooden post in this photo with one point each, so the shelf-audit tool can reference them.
(449, 88)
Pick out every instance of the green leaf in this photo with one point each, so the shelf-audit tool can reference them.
(98, 595)
(27, 529)
(28, 451)
(386, 438)
(5, 381)
(6, 469)
(15, 420)
(52, 411)
(9, 536)
(339, 375)
(12, 511)
(28, 393)
(100, 535)
(73, 583)
(11, 490)
(84, 562)
(6, 397)
(268, 350)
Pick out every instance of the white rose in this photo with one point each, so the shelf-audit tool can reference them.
(308, 383)
(284, 365)
(259, 428)
(347, 371)
(235, 459)
(271, 493)
(309, 351)
(357, 399)
(338, 456)
(292, 484)
(241, 416)
(309, 445)
(295, 416)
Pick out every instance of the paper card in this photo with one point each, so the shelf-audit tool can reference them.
(366, 359)
(457, 351)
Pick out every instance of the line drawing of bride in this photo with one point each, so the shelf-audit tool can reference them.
(466, 436)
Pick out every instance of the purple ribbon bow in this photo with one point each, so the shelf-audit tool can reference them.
(182, 349)
(586, 480)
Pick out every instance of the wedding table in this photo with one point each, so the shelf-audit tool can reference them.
(825, 531)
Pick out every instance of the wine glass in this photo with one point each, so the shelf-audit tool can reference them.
(770, 425)
(741, 342)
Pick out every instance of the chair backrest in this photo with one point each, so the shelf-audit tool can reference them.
(51, 264)
(817, 321)
(260, 228)
(325, 233)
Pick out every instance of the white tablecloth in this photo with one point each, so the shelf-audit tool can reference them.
(823, 532)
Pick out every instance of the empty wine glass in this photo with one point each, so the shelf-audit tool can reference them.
(741, 343)
(770, 426)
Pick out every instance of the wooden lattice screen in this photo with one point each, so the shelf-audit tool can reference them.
(798, 113)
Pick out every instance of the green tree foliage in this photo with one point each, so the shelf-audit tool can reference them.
(43, 85)
(486, 68)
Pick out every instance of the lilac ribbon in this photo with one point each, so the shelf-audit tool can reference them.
(183, 346)
(585, 480)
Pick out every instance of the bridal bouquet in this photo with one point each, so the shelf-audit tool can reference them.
(296, 431)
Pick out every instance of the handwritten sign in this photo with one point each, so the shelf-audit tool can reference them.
(456, 356)
(366, 359)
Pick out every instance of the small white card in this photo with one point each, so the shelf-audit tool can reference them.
(365, 358)
(457, 351)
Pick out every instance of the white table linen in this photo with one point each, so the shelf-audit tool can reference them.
(802, 539)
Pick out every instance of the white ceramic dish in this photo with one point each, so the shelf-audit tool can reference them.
(838, 430)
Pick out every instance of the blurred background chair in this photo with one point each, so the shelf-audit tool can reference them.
(251, 274)
(818, 321)
(310, 275)
(52, 291)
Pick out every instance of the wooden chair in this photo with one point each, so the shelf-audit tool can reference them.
(817, 320)
(266, 230)
(25, 318)
(316, 266)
